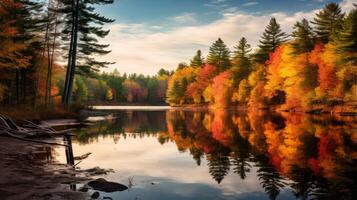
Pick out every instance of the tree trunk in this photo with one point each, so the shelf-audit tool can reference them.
(69, 63)
(73, 56)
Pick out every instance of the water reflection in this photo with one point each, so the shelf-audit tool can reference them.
(286, 156)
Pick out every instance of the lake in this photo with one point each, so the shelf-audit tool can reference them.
(222, 154)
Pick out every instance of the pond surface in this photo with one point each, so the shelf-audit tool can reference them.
(222, 154)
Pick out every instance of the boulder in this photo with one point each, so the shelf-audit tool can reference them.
(106, 186)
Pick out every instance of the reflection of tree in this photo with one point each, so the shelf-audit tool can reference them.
(318, 157)
(218, 165)
(240, 156)
(303, 183)
(241, 165)
(270, 179)
(197, 155)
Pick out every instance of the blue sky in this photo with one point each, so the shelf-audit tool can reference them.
(152, 34)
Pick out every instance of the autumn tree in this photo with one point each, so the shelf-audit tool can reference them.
(204, 78)
(222, 88)
(328, 21)
(272, 37)
(219, 55)
(197, 60)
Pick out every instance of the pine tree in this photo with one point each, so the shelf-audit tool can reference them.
(197, 60)
(328, 21)
(241, 62)
(219, 55)
(175, 93)
(272, 37)
(303, 37)
(82, 28)
(347, 38)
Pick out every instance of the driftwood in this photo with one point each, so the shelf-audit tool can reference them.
(82, 157)
(30, 130)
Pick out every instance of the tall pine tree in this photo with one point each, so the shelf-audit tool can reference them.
(328, 21)
(272, 37)
(241, 62)
(197, 60)
(347, 38)
(219, 55)
(303, 37)
(82, 28)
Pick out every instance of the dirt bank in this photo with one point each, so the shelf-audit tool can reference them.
(27, 172)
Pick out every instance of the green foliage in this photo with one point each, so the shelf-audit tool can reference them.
(197, 60)
(241, 66)
(272, 37)
(328, 21)
(347, 37)
(90, 28)
(219, 55)
(174, 96)
(303, 38)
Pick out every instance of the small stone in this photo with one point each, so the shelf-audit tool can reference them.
(95, 195)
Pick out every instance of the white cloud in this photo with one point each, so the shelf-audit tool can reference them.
(186, 18)
(252, 3)
(144, 49)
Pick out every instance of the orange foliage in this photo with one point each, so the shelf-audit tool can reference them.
(323, 57)
(222, 88)
(203, 79)
(10, 49)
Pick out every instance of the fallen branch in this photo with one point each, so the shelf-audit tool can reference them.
(30, 140)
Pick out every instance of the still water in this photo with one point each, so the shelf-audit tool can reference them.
(222, 154)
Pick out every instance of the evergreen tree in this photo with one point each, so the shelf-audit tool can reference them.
(197, 60)
(303, 37)
(174, 95)
(347, 38)
(241, 62)
(82, 27)
(328, 21)
(272, 37)
(219, 55)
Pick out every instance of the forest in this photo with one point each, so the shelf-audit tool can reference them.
(49, 51)
(311, 69)
(35, 35)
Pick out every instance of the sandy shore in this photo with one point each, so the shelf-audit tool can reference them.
(27, 173)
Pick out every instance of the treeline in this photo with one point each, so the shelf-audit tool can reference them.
(115, 88)
(37, 34)
(316, 65)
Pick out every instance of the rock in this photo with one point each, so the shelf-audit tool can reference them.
(83, 189)
(106, 186)
(95, 195)
(97, 171)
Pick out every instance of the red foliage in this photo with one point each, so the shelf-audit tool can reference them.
(326, 71)
(204, 78)
(221, 85)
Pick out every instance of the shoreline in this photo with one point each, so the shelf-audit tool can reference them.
(27, 172)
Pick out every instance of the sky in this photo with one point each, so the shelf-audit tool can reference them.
(148, 35)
